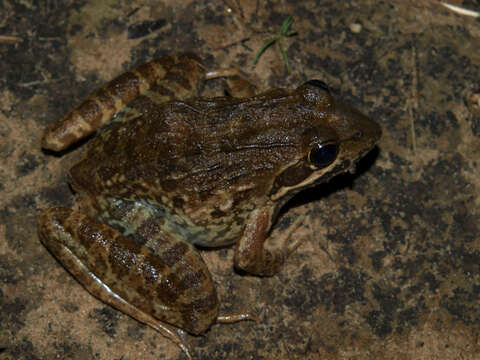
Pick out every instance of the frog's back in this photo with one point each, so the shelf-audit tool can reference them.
(195, 149)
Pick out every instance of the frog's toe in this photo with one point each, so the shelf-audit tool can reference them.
(51, 224)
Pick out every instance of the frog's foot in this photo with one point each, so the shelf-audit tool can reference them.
(170, 77)
(236, 84)
(260, 254)
(169, 285)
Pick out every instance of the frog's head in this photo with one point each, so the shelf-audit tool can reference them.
(330, 139)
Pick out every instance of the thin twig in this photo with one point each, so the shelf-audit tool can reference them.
(38, 82)
(413, 103)
(10, 39)
(460, 10)
(241, 41)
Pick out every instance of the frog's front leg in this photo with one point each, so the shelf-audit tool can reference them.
(169, 77)
(169, 284)
(260, 254)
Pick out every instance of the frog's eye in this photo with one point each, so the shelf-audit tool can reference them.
(319, 84)
(323, 154)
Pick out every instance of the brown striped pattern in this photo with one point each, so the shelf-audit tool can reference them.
(151, 228)
(170, 76)
(171, 283)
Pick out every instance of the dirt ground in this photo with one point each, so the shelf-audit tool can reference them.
(390, 263)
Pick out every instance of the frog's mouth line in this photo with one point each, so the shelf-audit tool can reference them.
(335, 169)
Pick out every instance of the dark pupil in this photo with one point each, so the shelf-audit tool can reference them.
(318, 83)
(323, 155)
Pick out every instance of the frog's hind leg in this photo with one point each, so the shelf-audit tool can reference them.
(169, 285)
(170, 77)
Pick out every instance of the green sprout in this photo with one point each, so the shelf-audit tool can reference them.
(283, 33)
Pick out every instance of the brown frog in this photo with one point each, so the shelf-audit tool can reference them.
(166, 172)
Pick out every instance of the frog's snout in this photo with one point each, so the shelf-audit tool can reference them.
(360, 131)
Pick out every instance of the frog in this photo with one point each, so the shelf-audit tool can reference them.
(166, 171)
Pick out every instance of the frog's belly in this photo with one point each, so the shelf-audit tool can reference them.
(211, 235)
(128, 216)
(200, 227)
(203, 230)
